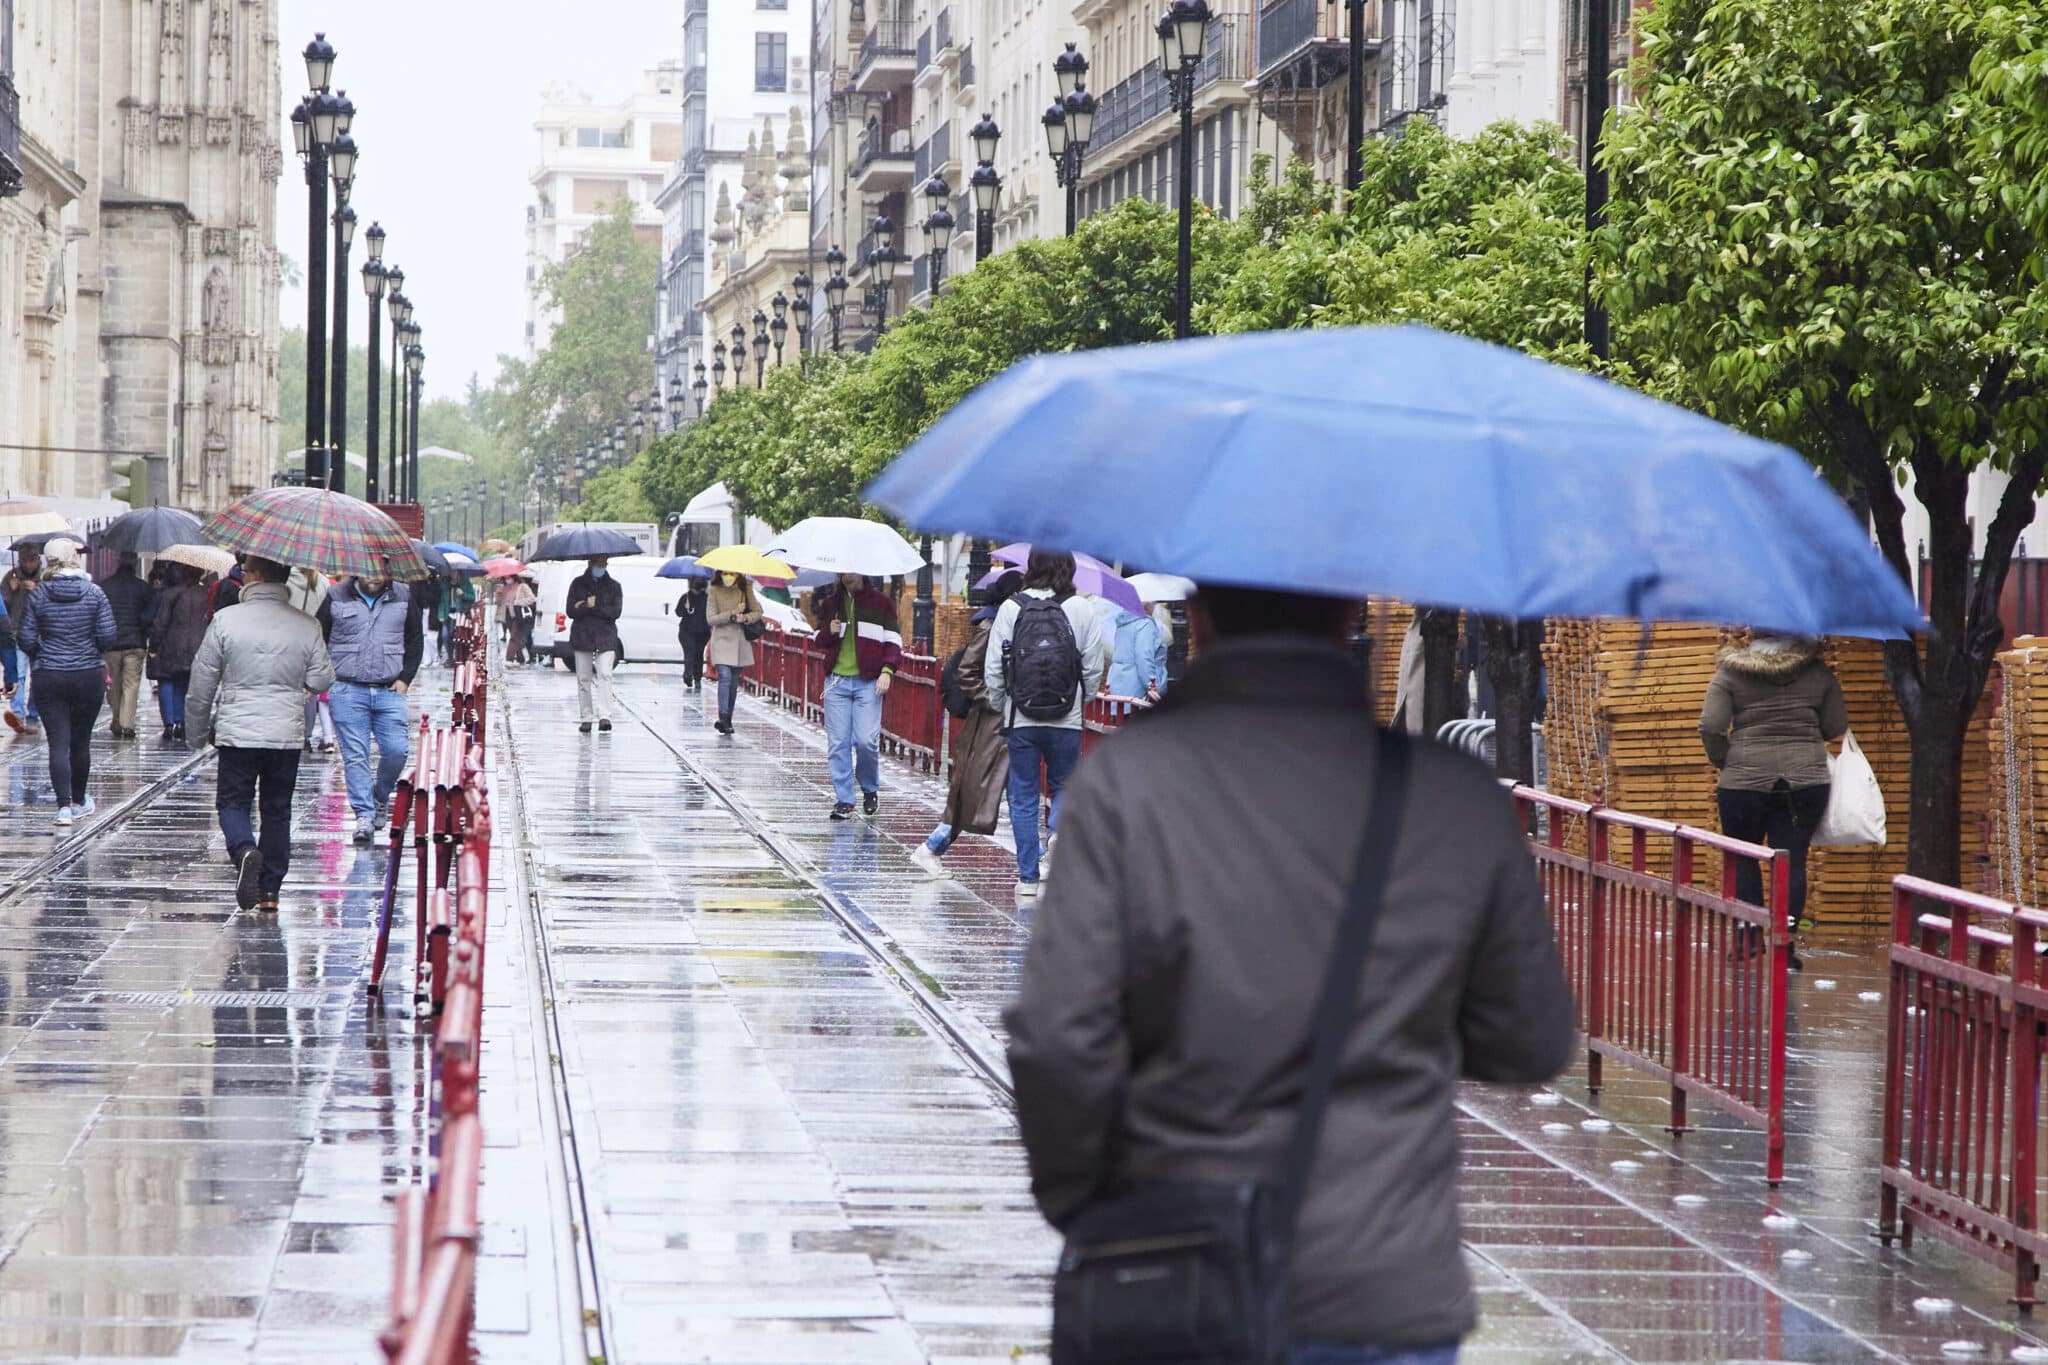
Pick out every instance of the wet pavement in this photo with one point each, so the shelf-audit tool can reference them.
(199, 1111)
(1593, 1233)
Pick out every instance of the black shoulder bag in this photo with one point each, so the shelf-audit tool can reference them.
(1196, 1273)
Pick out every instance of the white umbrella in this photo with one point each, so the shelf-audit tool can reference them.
(847, 545)
(205, 558)
(1162, 587)
(28, 517)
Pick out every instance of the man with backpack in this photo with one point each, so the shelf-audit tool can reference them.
(1045, 658)
(858, 625)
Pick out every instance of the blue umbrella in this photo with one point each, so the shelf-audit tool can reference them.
(583, 542)
(682, 566)
(453, 547)
(1400, 461)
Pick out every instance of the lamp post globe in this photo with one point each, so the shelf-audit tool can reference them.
(1069, 69)
(985, 135)
(699, 386)
(1080, 120)
(302, 133)
(319, 55)
(325, 111)
(345, 225)
(341, 161)
(986, 186)
(373, 241)
(800, 309)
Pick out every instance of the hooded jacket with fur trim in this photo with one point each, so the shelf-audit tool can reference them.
(1769, 713)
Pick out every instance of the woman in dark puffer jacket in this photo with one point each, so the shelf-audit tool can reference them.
(65, 627)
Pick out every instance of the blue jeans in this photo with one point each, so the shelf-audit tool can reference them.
(853, 736)
(24, 699)
(170, 698)
(728, 689)
(374, 726)
(1326, 1353)
(1033, 747)
(941, 838)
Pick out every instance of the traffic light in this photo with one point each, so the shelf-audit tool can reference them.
(131, 481)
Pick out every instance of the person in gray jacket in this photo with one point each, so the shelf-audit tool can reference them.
(1161, 1028)
(257, 664)
(1770, 711)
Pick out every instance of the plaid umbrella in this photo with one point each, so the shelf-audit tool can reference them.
(332, 532)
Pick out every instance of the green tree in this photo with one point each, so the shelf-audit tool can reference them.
(1810, 235)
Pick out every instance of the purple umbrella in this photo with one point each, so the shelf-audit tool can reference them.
(1091, 576)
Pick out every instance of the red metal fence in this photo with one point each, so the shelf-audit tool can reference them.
(1963, 1062)
(1675, 977)
(443, 804)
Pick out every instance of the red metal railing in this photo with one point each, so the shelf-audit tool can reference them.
(790, 670)
(1674, 978)
(444, 804)
(1962, 1088)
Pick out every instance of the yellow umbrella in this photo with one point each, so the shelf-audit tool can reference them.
(744, 559)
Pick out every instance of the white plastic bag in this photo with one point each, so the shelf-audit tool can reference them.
(1855, 813)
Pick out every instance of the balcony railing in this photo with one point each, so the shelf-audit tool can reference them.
(1138, 99)
(1288, 26)
(920, 275)
(695, 78)
(694, 159)
(690, 243)
(924, 49)
(967, 67)
(696, 9)
(935, 152)
(942, 30)
(10, 137)
(888, 38)
(879, 140)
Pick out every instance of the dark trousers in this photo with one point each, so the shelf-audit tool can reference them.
(263, 779)
(1785, 819)
(693, 659)
(70, 699)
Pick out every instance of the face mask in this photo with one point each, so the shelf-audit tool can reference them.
(728, 579)
(600, 573)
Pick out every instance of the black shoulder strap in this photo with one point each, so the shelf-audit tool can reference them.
(1337, 1005)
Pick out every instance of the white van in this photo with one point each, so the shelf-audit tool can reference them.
(647, 624)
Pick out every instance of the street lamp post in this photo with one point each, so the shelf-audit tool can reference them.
(938, 228)
(885, 268)
(312, 131)
(373, 290)
(835, 289)
(1598, 43)
(800, 312)
(341, 162)
(986, 185)
(778, 326)
(718, 367)
(760, 348)
(415, 361)
(699, 385)
(397, 309)
(1069, 124)
(409, 472)
(1183, 37)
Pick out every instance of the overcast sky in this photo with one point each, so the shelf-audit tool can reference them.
(445, 97)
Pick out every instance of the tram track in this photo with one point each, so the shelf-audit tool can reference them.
(82, 838)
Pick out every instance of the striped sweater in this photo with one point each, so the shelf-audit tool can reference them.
(878, 644)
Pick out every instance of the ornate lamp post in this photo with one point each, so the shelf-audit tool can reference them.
(835, 289)
(313, 132)
(640, 426)
(800, 311)
(938, 229)
(778, 326)
(738, 353)
(985, 184)
(699, 385)
(415, 362)
(373, 290)
(718, 367)
(885, 267)
(760, 348)
(399, 311)
(341, 162)
(1183, 37)
(1069, 123)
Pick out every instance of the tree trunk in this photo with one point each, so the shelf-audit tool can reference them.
(1934, 830)
(1442, 702)
(1514, 665)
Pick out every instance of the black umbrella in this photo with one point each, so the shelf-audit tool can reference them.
(436, 561)
(38, 539)
(584, 542)
(148, 531)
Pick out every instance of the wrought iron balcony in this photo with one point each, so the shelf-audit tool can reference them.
(888, 57)
(1136, 100)
(10, 137)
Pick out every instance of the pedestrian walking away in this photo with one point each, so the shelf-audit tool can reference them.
(66, 626)
(134, 603)
(519, 616)
(1160, 1032)
(865, 649)
(736, 619)
(175, 631)
(1770, 711)
(693, 630)
(256, 666)
(981, 755)
(15, 590)
(1045, 658)
(375, 638)
(1138, 655)
(595, 601)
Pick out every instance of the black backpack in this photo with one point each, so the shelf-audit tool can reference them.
(951, 690)
(1043, 660)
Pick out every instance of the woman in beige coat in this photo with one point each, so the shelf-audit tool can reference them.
(733, 608)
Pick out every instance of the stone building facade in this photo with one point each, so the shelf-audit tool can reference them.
(138, 266)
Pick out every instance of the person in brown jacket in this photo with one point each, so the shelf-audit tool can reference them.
(174, 637)
(1770, 711)
(1161, 1028)
(981, 754)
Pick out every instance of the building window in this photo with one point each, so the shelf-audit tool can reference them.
(771, 4)
(602, 137)
(771, 61)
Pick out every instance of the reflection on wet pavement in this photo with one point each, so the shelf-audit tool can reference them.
(198, 1113)
(781, 1160)
(1601, 1243)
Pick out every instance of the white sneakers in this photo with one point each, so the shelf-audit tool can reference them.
(66, 815)
(927, 861)
(87, 809)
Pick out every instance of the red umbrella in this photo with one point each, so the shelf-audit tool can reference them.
(503, 567)
(332, 532)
